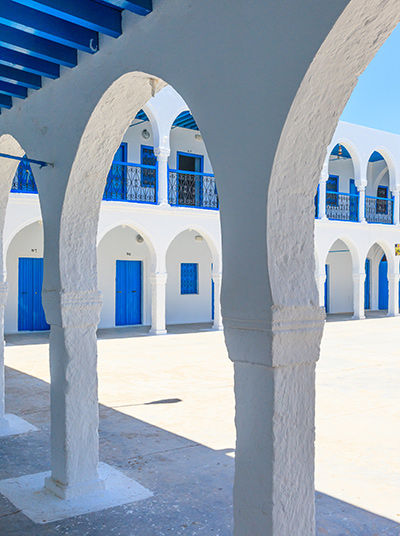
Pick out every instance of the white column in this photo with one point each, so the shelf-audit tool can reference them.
(396, 207)
(217, 279)
(322, 198)
(162, 154)
(321, 278)
(361, 204)
(158, 303)
(393, 307)
(4, 425)
(358, 295)
(73, 317)
(274, 363)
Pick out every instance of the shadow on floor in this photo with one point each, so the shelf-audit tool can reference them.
(192, 484)
(343, 317)
(42, 337)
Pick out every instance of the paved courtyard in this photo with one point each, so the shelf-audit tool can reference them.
(166, 420)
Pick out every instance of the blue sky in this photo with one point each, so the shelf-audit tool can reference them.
(375, 101)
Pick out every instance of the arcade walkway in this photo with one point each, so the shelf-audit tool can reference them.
(167, 421)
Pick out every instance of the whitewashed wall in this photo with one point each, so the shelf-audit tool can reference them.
(340, 279)
(121, 244)
(186, 308)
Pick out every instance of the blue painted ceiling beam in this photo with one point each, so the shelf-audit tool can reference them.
(40, 24)
(37, 47)
(8, 74)
(86, 13)
(5, 101)
(140, 7)
(29, 63)
(13, 90)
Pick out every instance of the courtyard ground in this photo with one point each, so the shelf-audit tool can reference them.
(166, 420)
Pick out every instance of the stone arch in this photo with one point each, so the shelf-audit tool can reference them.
(79, 218)
(354, 251)
(390, 166)
(352, 149)
(357, 34)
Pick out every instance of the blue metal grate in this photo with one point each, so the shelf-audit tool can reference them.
(189, 278)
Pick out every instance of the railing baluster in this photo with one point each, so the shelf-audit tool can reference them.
(136, 183)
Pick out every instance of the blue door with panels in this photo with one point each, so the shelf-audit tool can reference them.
(383, 284)
(128, 293)
(30, 309)
(367, 285)
(326, 288)
(353, 202)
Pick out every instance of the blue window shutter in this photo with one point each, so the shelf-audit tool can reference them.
(189, 278)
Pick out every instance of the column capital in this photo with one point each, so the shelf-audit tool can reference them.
(162, 152)
(78, 308)
(289, 337)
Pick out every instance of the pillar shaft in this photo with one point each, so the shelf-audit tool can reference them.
(73, 317)
(358, 295)
(162, 187)
(393, 306)
(361, 204)
(3, 299)
(275, 400)
(158, 303)
(322, 199)
(321, 278)
(217, 279)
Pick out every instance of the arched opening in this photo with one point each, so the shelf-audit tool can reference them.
(341, 190)
(378, 199)
(189, 283)
(376, 279)
(339, 279)
(125, 258)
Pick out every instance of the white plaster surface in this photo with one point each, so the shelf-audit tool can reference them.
(41, 506)
(13, 425)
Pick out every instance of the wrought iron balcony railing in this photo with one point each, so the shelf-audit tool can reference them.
(378, 209)
(136, 183)
(192, 189)
(341, 206)
(24, 181)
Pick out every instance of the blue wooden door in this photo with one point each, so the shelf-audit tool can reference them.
(116, 181)
(353, 204)
(128, 293)
(212, 294)
(383, 284)
(326, 288)
(30, 280)
(367, 285)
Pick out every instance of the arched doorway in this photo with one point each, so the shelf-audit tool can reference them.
(339, 279)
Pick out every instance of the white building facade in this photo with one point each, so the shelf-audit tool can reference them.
(158, 245)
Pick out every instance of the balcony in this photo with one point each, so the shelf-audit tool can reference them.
(342, 206)
(192, 189)
(24, 181)
(136, 183)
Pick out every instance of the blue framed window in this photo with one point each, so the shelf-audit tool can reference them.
(382, 204)
(148, 158)
(189, 278)
(332, 189)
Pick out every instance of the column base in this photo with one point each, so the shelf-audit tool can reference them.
(42, 506)
(358, 317)
(158, 332)
(219, 327)
(393, 314)
(13, 425)
(63, 491)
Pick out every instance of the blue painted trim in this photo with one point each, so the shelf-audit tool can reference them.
(28, 63)
(140, 7)
(95, 16)
(37, 46)
(13, 90)
(8, 74)
(367, 290)
(5, 101)
(326, 288)
(43, 25)
(191, 172)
